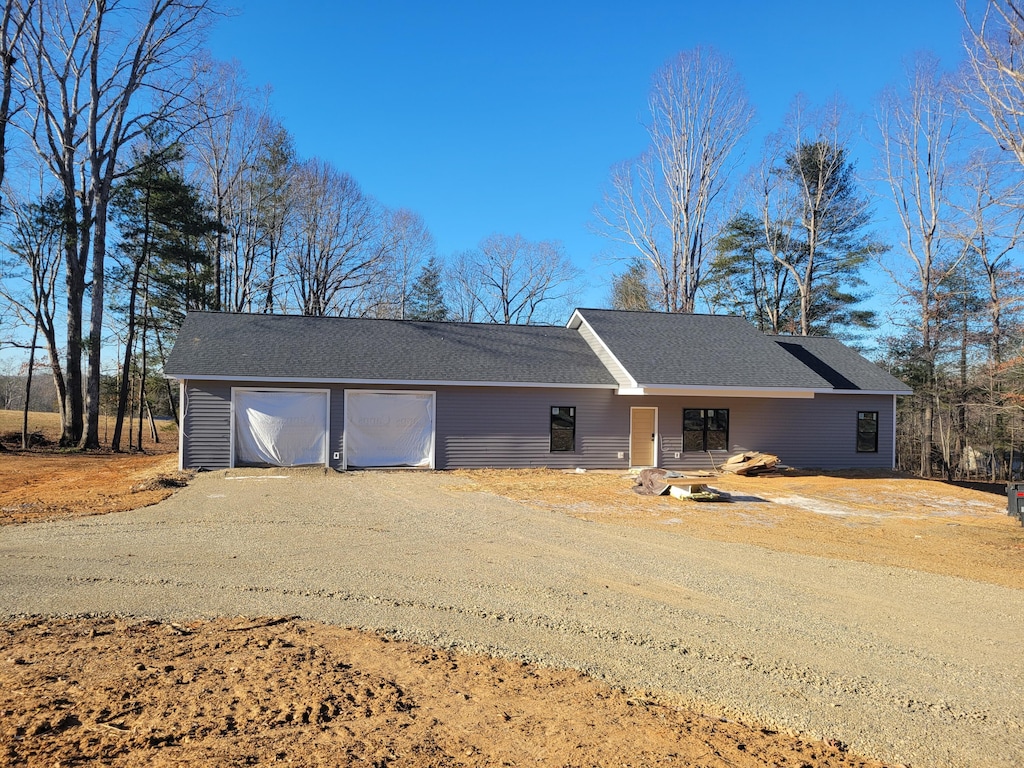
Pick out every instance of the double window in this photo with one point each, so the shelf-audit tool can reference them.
(563, 428)
(867, 431)
(705, 429)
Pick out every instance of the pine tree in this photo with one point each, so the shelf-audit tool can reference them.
(630, 290)
(426, 300)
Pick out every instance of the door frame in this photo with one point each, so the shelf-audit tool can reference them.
(654, 437)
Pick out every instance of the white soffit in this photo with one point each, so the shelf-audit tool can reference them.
(790, 394)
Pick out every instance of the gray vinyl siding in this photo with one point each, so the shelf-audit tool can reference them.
(510, 427)
(818, 433)
(206, 425)
(504, 427)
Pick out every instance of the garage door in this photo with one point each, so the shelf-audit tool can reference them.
(389, 429)
(281, 428)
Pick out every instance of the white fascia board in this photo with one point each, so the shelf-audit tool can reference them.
(576, 321)
(885, 392)
(763, 392)
(389, 382)
(695, 391)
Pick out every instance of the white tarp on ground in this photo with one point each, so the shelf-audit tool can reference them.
(284, 429)
(389, 429)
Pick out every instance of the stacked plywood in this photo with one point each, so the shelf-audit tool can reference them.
(751, 463)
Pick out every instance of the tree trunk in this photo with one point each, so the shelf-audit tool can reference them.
(122, 389)
(28, 384)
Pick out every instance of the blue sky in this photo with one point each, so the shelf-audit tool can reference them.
(506, 117)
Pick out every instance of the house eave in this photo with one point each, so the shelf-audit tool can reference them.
(699, 391)
(791, 393)
(385, 382)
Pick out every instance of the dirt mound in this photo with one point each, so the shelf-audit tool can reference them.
(240, 692)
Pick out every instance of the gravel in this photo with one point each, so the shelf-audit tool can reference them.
(906, 666)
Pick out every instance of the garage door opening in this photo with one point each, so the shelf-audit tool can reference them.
(280, 428)
(389, 429)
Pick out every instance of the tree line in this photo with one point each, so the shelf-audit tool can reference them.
(151, 180)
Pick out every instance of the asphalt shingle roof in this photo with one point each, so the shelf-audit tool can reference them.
(657, 350)
(660, 349)
(841, 366)
(225, 345)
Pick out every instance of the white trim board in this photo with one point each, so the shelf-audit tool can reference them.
(255, 380)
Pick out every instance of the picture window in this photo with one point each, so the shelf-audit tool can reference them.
(705, 429)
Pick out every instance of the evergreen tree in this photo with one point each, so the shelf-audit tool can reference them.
(630, 289)
(426, 300)
(793, 266)
(162, 266)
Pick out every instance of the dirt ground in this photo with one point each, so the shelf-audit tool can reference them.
(248, 691)
(881, 518)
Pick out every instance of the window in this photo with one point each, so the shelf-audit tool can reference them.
(563, 429)
(867, 431)
(705, 429)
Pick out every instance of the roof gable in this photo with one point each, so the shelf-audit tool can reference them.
(289, 347)
(677, 350)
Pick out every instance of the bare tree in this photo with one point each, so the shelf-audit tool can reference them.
(35, 241)
(919, 127)
(405, 244)
(662, 206)
(100, 73)
(513, 281)
(232, 125)
(332, 253)
(13, 18)
(994, 92)
(988, 228)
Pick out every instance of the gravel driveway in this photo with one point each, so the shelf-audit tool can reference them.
(912, 667)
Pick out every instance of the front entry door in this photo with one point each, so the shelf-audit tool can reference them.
(643, 430)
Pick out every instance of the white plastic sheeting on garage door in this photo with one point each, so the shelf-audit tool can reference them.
(281, 428)
(389, 429)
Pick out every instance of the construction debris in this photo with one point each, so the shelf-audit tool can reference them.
(751, 464)
(652, 482)
(697, 492)
(658, 482)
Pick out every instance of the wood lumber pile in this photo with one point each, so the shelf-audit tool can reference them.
(751, 464)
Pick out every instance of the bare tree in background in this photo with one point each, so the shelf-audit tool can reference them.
(405, 244)
(662, 206)
(99, 74)
(35, 242)
(919, 127)
(511, 280)
(332, 254)
(994, 96)
(988, 229)
(231, 126)
(13, 18)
